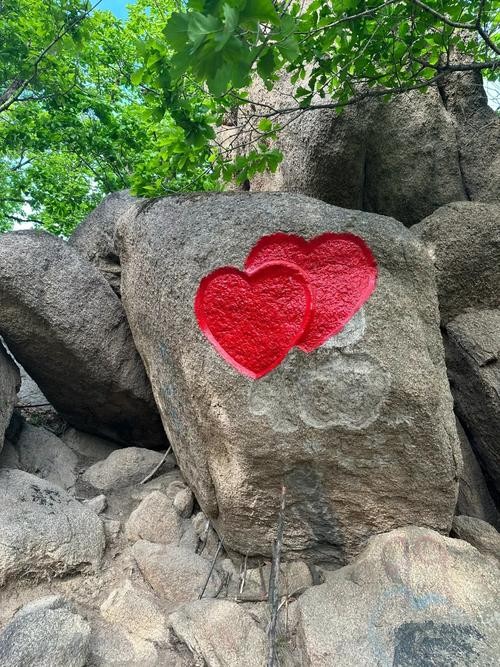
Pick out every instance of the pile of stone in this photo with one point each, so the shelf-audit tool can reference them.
(142, 477)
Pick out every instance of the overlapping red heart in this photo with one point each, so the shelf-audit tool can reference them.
(292, 292)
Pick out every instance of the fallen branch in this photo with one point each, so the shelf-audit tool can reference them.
(155, 470)
(214, 560)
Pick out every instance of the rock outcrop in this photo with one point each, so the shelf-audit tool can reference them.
(412, 598)
(66, 327)
(463, 240)
(10, 383)
(94, 237)
(360, 430)
(45, 531)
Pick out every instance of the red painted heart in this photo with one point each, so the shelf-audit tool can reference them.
(254, 318)
(342, 273)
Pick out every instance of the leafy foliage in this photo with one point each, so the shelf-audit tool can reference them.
(90, 104)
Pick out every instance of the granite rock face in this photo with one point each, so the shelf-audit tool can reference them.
(10, 383)
(67, 328)
(360, 431)
(94, 237)
(412, 598)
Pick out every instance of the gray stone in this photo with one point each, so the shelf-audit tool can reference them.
(9, 457)
(94, 237)
(220, 633)
(45, 633)
(480, 534)
(183, 502)
(10, 382)
(43, 454)
(88, 446)
(472, 343)
(44, 531)
(463, 240)
(63, 323)
(136, 611)
(97, 504)
(111, 646)
(123, 467)
(154, 520)
(363, 434)
(174, 573)
(412, 598)
(474, 498)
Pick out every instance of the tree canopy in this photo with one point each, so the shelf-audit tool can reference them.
(90, 104)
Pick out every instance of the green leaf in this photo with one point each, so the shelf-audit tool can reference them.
(262, 11)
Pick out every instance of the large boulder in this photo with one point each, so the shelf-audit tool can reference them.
(472, 343)
(45, 531)
(360, 430)
(10, 383)
(94, 237)
(463, 240)
(412, 598)
(67, 328)
(404, 158)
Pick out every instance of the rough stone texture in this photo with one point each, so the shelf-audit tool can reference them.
(123, 467)
(175, 574)
(404, 158)
(463, 240)
(88, 446)
(412, 598)
(10, 383)
(111, 646)
(43, 454)
(474, 498)
(97, 504)
(154, 520)
(45, 633)
(480, 534)
(183, 502)
(44, 531)
(361, 430)
(94, 237)
(67, 328)
(472, 343)
(136, 611)
(220, 633)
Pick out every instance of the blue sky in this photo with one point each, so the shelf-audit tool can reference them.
(118, 7)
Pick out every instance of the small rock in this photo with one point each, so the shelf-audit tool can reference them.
(220, 633)
(206, 534)
(43, 454)
(44, 531)
(189, 539)
(174, 573)
(174, 487)
(154, 520)
(123, 467)
(45, 633)
(97, 504)
(137, 612)
(183, 502)
(87, 445)
(111, 529)
(480, 534)
(110, 646)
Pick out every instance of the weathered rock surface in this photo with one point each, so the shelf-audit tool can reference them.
(155, 520)
(45, 633)
(463, 240)
(474, 498)
(10, 383)
(480, 534)
(43, 454)
(472, 343)
(44, 531)
(361, 430)
(136, 611)
(94, 237)
(123, 467)
(220, 634)
(174, 573)
(405, 158)
(88, 446)
(111, 646)
(412, 598)
(67, 328)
